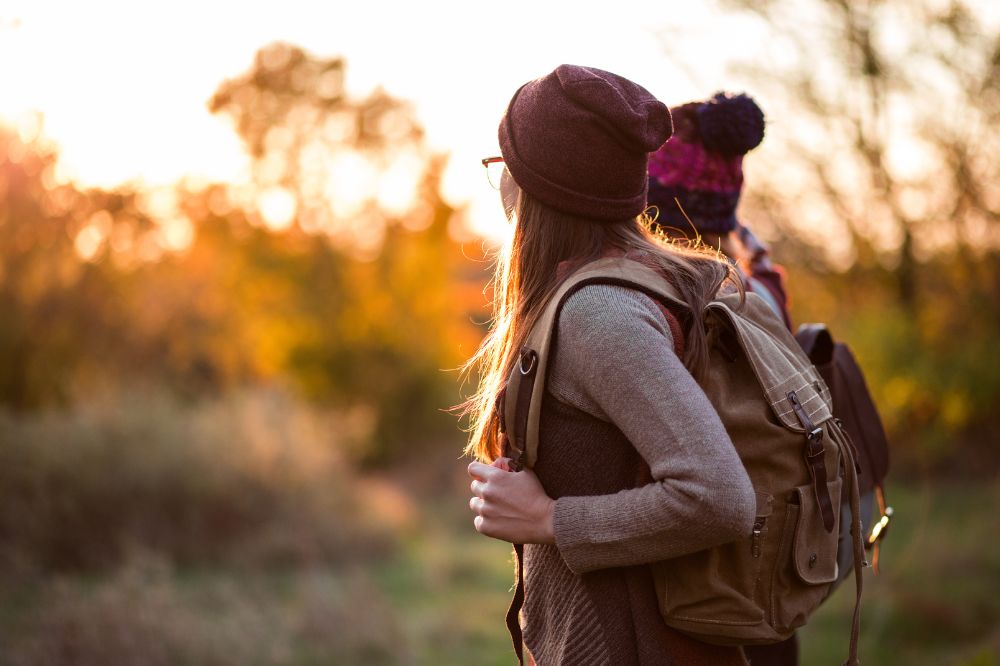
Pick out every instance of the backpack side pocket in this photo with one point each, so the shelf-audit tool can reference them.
(807, 564)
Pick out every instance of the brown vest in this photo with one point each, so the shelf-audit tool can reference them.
(609, 616)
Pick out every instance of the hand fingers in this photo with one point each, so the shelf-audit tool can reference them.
(502, 463)
(478, 506)
(480, 470)
(477, 487)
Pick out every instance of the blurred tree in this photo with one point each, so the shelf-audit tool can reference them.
(36, 255)
(888, 111)
(337, 164)
(63, 316)
(389, 314)
(351, 289)
(883, 120)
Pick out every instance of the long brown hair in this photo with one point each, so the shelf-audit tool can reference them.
(527, 274)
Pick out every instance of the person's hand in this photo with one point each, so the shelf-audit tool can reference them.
(511, 506)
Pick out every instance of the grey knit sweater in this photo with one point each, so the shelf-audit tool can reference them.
(615, 364)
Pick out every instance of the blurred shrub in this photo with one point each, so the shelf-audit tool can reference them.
(147, 615)
(252, 479)
(932, 368)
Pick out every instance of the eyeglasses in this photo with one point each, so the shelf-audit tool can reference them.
(494, 170)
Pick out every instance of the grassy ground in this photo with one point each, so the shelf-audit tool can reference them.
(441, 597)
(937, 600)
(439, 600)
(935, 603)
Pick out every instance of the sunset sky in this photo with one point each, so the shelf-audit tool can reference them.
(122, 86)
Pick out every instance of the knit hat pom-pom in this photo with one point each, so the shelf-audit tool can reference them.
(730, 124)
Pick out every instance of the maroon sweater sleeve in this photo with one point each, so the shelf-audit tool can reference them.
(772, 277)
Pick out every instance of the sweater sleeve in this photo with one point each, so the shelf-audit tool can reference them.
(765, 278)
(615, 360)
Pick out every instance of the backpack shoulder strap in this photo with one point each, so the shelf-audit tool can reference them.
(526, 383)
(816, 342)
(853, 401)
(863, 414)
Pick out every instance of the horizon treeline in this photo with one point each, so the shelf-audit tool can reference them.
(368, 305)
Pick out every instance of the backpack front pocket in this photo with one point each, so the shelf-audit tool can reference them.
(722, 586)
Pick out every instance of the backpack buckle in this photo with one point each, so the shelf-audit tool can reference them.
(814, 439)
(814, 433)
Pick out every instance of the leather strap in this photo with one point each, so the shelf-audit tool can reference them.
(514, 610)
(815, 454)
(857, 540)
(526, 369)
(609, 270)
(514, 407)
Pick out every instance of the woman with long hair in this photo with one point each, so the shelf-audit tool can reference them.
(634, 465)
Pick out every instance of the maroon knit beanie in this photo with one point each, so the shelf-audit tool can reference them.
(578, 140)
(701, 167)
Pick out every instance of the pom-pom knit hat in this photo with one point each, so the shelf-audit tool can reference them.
(579, 138)
(702, 165)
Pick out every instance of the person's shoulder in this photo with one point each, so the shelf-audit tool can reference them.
(610, 310)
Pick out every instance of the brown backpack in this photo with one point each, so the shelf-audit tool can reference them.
(777, 411)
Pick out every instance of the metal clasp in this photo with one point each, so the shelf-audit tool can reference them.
(532, 360)
(881, 527)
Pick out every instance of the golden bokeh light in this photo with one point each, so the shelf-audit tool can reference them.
(277, 207)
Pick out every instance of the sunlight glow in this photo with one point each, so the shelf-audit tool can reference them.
(149, 247)
(277, 208)
(397, 185)
(142, 118)
(158, 202)
(88, 242)
(351, 181)
(177, 233)
(361, 236)
(145, 119)
(122, 238)
(91, 237)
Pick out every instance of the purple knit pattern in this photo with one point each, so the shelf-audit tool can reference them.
(730, 124)
(701, 167)
(689, 165)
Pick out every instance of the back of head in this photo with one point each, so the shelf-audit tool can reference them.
(701, 166)
(578, 140)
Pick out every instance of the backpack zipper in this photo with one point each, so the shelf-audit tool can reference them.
(758, 529)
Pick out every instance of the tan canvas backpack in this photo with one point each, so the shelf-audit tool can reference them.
(777, 411)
